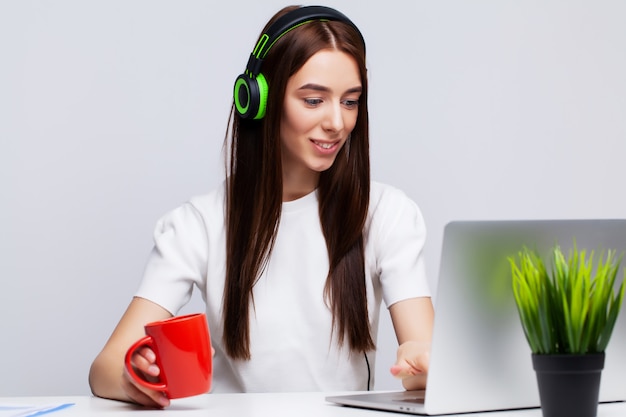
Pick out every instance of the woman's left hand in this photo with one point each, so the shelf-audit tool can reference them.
(412, 364)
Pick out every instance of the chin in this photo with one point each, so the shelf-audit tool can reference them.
(322, 166)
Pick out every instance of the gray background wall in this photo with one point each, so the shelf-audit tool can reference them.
(113, 112)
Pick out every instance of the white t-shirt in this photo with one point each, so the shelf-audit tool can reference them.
(290, 324)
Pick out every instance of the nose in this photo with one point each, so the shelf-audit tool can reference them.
(333, 118)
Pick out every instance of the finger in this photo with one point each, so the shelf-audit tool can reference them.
(139, 397)
(142, 395)
(413, 362)
(415, 382)
(147, 353)
(144, 365)
(419, 363)
(404, 371)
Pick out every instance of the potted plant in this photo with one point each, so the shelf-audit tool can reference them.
(568, 313)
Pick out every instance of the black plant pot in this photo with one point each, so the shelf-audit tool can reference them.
(569, 385)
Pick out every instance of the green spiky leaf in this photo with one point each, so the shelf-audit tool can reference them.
(573, 307)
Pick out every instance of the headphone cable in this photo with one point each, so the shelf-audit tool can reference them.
(368, 370)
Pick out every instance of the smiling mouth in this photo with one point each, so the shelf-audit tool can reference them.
(325, 145)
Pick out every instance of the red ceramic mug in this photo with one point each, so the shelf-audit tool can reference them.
(182, 346)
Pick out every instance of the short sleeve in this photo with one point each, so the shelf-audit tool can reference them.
(177, 260)
(399, 233)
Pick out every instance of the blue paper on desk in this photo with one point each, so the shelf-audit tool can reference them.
(27, 410)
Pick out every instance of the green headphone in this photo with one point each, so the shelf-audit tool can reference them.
(251, 87)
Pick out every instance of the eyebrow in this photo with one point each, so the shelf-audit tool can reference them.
(317, 87)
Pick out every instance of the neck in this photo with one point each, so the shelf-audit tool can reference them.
(298, 185)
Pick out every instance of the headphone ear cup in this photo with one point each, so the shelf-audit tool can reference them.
(251, 96)
(244, 92)
(263, 91)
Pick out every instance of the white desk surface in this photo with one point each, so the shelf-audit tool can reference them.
(248, 405)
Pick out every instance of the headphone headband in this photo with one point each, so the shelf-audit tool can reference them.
(251, 88)
(286, 23)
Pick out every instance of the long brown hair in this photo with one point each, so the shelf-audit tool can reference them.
(254, 195)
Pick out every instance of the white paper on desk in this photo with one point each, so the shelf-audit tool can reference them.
(28, 410)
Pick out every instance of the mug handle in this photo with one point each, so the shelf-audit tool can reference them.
(144, 341)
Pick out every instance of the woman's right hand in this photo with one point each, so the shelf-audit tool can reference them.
(108, 377)
(144, 364)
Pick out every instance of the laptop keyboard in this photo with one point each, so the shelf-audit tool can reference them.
(414, 400)
(411, 397)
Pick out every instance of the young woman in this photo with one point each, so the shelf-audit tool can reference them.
(296, 251)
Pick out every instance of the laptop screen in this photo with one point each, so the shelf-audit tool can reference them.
(480, 359)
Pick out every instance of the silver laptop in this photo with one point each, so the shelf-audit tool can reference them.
(480, 360)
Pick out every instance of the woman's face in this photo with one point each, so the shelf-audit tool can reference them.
(320, 110)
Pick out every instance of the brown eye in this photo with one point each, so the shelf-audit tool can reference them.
(351, 103)
(312, 101)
